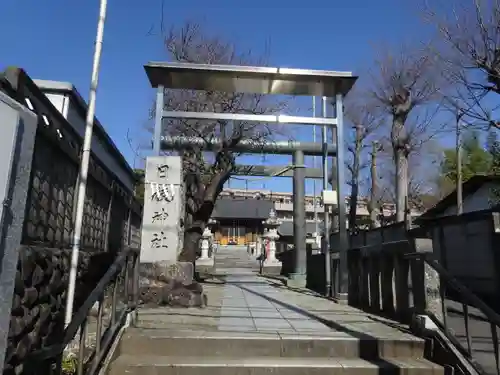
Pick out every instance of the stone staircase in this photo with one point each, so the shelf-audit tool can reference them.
(253, 326)
(165, 352)
(234, 259)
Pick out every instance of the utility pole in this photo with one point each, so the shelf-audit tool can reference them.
(84, 165)
(459, 164)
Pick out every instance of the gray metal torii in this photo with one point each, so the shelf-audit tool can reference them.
(249, 146)
(275, 171)
(253, 147)
(267, 80)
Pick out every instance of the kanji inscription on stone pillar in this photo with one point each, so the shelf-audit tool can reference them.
(163, 199)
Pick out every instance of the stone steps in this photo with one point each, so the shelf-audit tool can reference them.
(230, 258)
(162, 365)
(251, 327)
(179, 352)
(291, 345)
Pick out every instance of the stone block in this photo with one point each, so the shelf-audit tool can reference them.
(181, 271)
(165, 284)
(271, 268)
(163, 272)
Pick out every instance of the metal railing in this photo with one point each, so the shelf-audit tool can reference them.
(398, 276)
(121, 280)
(485, 315)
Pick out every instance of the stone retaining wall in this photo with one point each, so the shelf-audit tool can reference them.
(37, 317)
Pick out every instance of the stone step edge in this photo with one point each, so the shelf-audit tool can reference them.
(279, 344)
(165, 333)
(129, 360)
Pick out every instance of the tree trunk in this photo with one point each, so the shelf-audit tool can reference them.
(353, 201)
(199, 208)
(400, 149)
(191, 246)
(372, 205)
(401, 183)
(195, 225)
(374, 220)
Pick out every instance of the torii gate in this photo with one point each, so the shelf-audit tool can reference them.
(268, 80)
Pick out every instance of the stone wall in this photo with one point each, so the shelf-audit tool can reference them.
(37, 318)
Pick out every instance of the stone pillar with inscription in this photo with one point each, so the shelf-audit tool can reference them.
(163, 232)
(161, 223)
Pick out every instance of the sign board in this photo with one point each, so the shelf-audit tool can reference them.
(163, 208)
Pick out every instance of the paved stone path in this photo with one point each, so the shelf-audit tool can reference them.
(239, 300)
(244, 308)
(255, 325)
(245, 302)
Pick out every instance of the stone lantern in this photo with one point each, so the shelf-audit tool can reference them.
(212, 223)
(271, 226)
(206, 260)
(206, 239)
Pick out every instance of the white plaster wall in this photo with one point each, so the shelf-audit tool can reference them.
(57, 101)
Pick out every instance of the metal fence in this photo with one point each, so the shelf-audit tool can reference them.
(112, 216)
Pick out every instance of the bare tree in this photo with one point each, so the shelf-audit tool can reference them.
(423, 166)
(364, 123)
(405, 86)
(207, 172)
(470, 55)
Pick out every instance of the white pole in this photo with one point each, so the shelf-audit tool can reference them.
(84, 166)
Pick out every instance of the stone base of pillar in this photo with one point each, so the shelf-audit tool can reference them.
(342, 298)
(205, 265)
(271, 267)
(296, 280)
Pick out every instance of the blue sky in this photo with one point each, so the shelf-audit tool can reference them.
(53, 39)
